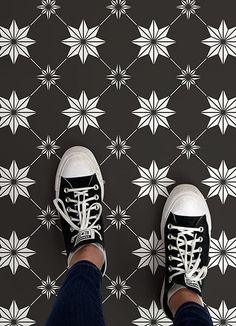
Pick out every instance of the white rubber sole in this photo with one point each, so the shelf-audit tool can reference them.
(74, 152)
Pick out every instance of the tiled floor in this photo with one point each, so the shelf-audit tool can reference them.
(149, 87)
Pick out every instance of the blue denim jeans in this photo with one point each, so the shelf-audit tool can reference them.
(79, 301)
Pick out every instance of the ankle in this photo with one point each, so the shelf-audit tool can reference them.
(182, 296)
(88, 252)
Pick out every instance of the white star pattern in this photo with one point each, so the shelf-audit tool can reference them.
(83, 112)
(223, 315)
(152, 252)
(221, 182)
(14, 182)
(152, 316)
(118, 77)
(153, 41)
(118, 7)
(48, 287)
(221, 41)
(153, 112)
(48, 147)
(14, 41)
(83, 41)
(222, 252)
(13, 252)
(188, 147)
(188, 77)
(48, 217)
(118, 217)
(48, 77)
(48, 7)
(222, 112)
(118, 287)
(14, 112)
(188, 7)
(118, 147)
(153, 181)
(15, 316)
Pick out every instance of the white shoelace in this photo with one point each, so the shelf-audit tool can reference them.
(82, 211)
(187, 264)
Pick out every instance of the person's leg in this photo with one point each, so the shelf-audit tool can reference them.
(186, 232)
(187, 309)
(79, 190)
(192, 314)
(79, 299)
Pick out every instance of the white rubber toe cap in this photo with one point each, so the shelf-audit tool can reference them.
(185, 200)
(78, 161)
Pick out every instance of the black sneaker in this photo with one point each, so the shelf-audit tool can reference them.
(79, 190)
(186, 232)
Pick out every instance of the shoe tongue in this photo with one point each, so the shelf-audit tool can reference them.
(84, 181)
(188, 221)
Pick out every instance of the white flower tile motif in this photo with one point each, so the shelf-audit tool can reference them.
(14, 112)
(221, 41)
(153, 112)
(118, 217)
(151, 316)
(118, 7)
(14, 252)
(83, 41)
(14, 182)
(14, 41)
(153, 81)
(188, 8)
(83, 112)
(14, 315)
(48, 287)
(188, 77)
(153, 41)
(222, 252)
(48, 8)
(153, 181)
(223, 315)
(118, 287)
(221, 181)
(222, 112)
(152, 252)
(188, 147)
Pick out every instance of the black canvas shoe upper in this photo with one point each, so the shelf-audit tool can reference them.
(80, 208)
(187, 247)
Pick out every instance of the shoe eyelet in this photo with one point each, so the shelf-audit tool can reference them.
(66, 190)
(68, 209)
(169, 279)
(169, 226)
(201, 229)
(200, 239)
(169, 236)
(170, 247)
(96, 197)
(67, 199)
(170, 268)
(95, 187)
(200, 249)
(99, 227)
(170, 257)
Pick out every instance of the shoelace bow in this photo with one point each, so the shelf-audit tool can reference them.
(187, 265)
(83, 213)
